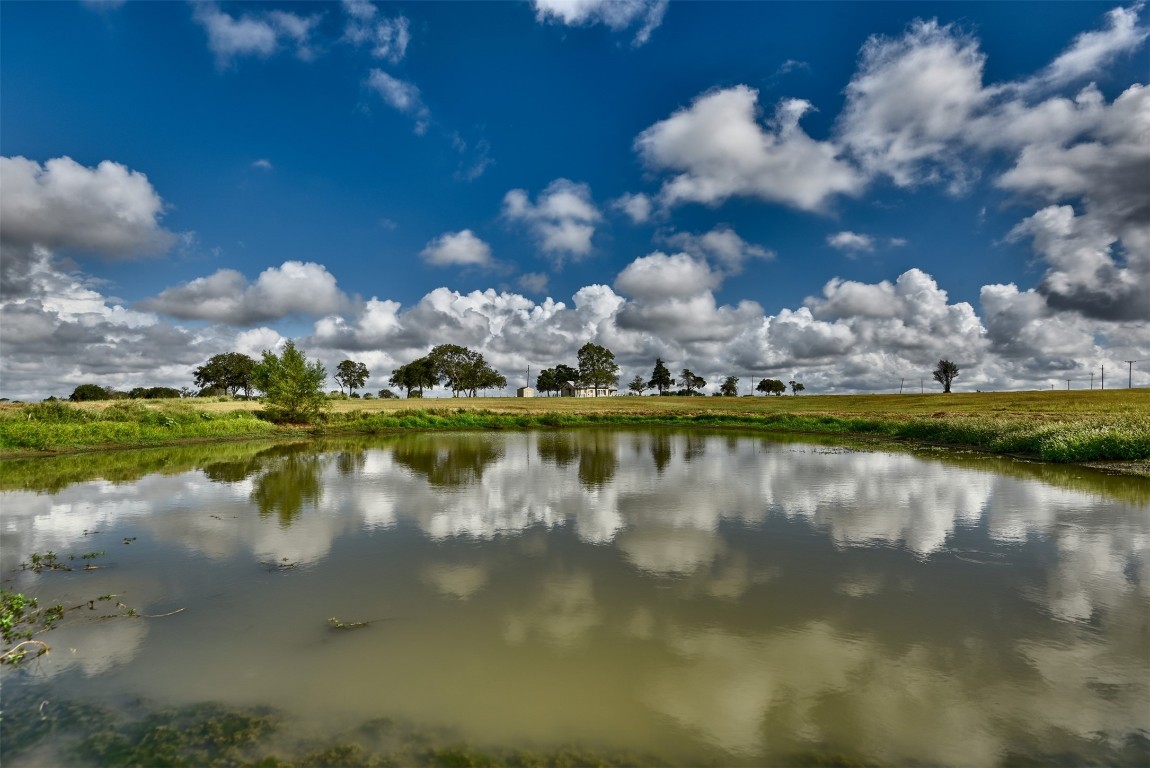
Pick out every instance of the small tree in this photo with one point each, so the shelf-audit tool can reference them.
(690, 381)
(597, 367)
(661, 377)
(545, 381)
(351, 374)
(730, 387)
(945, 373)
(771, 387)
(293, 386)
(637, 385)
(796, 387)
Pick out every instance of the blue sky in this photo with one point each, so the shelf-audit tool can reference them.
(843, 193)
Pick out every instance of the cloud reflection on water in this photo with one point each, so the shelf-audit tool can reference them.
(786, 594)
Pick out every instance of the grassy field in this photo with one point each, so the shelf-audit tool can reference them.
(1078, 426)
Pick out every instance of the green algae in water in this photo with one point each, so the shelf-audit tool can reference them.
(210, 735)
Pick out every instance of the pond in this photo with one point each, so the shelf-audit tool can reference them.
(635, 597)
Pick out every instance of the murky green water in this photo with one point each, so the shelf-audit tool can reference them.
(670, 597)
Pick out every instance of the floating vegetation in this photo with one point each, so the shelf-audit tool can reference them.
(283, 565)
(20, 618)
(210, 734)
(335, 623)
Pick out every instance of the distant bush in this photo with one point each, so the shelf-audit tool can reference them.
(153, 393)
(387, 394)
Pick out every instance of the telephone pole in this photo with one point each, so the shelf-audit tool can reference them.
(1130, 375)
(1092, 381)
(1068, 385)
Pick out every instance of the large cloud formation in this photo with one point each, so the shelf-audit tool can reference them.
(719, 149)
(294, 288)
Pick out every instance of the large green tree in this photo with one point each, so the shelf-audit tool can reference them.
(230, 371)
(565, 373)
(796, 387)
(661, 378)
(293, 387)
(637, 385)
(451, 363)
(351, 374)
(415, 376)
(480, 375)
(597, 367)
(945, 373)
(464, 370)
(730, 387)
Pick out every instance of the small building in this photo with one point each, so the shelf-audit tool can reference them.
(525, 392)
(570, 389)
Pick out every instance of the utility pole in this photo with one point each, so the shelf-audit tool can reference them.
(1104, 377)
(1068, 385)
(900, 383)
(1092, 381)
(752, 386)
(1130, 379)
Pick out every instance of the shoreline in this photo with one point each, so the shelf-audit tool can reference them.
(1111, 434)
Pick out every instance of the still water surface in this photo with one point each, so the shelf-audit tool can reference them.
(695, 598)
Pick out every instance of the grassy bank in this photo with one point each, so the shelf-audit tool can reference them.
(1090, 426)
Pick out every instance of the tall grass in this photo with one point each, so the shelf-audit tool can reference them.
(59, 426)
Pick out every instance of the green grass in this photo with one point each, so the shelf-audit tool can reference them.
(57, 426)
(1085, 426)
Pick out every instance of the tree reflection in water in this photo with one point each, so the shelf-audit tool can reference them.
(291, 480)
(595, 452)
(459, 462)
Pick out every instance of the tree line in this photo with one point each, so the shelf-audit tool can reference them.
(293, 387)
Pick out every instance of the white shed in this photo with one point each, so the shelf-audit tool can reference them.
(525, 392)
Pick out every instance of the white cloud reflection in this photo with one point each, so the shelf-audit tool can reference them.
(559, 547)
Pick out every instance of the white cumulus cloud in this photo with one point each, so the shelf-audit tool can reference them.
(719, 149)
(461, 248)
(562, 218)
(294, 288)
